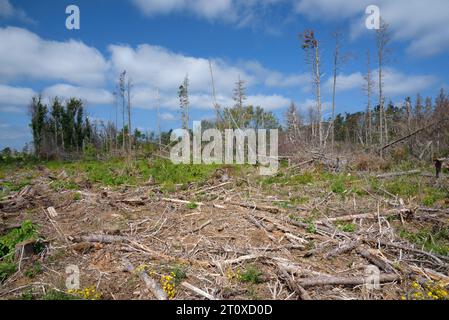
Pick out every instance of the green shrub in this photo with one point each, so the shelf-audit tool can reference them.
(251, 275)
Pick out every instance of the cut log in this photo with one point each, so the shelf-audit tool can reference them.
(344, 281)
(198, 291)
(397, 174)
(292, 284)
(100, 238)
(52, 212)
(383, 265)
(343, 249)
(150, 283)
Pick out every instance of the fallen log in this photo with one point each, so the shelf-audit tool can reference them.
(150, 283)
(293, 285)
(200, 204)
(377, 261)
(343, 249)
(198, 291)
(397, 174)
(204, 225)
(100, 238)
(408, 248)
(345, 281)
(273, 210)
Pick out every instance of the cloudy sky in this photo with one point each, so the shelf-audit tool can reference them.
(158, 42)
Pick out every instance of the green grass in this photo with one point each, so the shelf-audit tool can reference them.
(53, 295)
(282, 178)
(76, 196)
(60, 185)
(33, 271)
(6, 269)
(8, 244)
(14, 186)
(346, 227)
(192, 206)
(9, 241)
(432, 195)
(432, 242)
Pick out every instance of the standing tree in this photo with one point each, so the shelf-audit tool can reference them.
(130, 142)
(122, 88)
(368, 87)
(382, 40)
(338, 61)
(293, 122)
(38, 112)
(183, 94)
(311, 45)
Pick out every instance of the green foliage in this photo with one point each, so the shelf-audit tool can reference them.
(403, 187)
(251, 275)
(9, 241)
(33, 271)
(6, 269)
(168, 174)
(192, 205)
(432, 195)
(433, 242)
(8, 244)
(54, 295)
(179, 273)
(346, 227)
(281, 178)
(61, 185)
(76, 196)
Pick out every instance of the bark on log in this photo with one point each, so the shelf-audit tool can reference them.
(293, 285)
(198, 291)
(344, 281)
(150, 283)
(100, 238)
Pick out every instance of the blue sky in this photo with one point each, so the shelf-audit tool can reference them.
(159, 41)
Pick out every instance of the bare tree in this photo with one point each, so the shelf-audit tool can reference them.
(368, 87)
(239, 93)
(214, 97)
(122, 87)
(293, 121)
(338, 60)
(129, 88)
(311, 45)
(158, 110)
(184, 102)
(382, 40)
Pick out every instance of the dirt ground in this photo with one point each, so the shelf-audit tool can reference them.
(230, 237)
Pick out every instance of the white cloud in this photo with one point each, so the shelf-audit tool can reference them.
(89, 95)
(275, 79)
(9, 133)
(422, 23)
(222, 9)
(241, 13)
(398, 83)
(168, 117)
(345, 82)
(15, 99)
(24, 55)
(8, 11)
(157, 66)
(269, 102)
